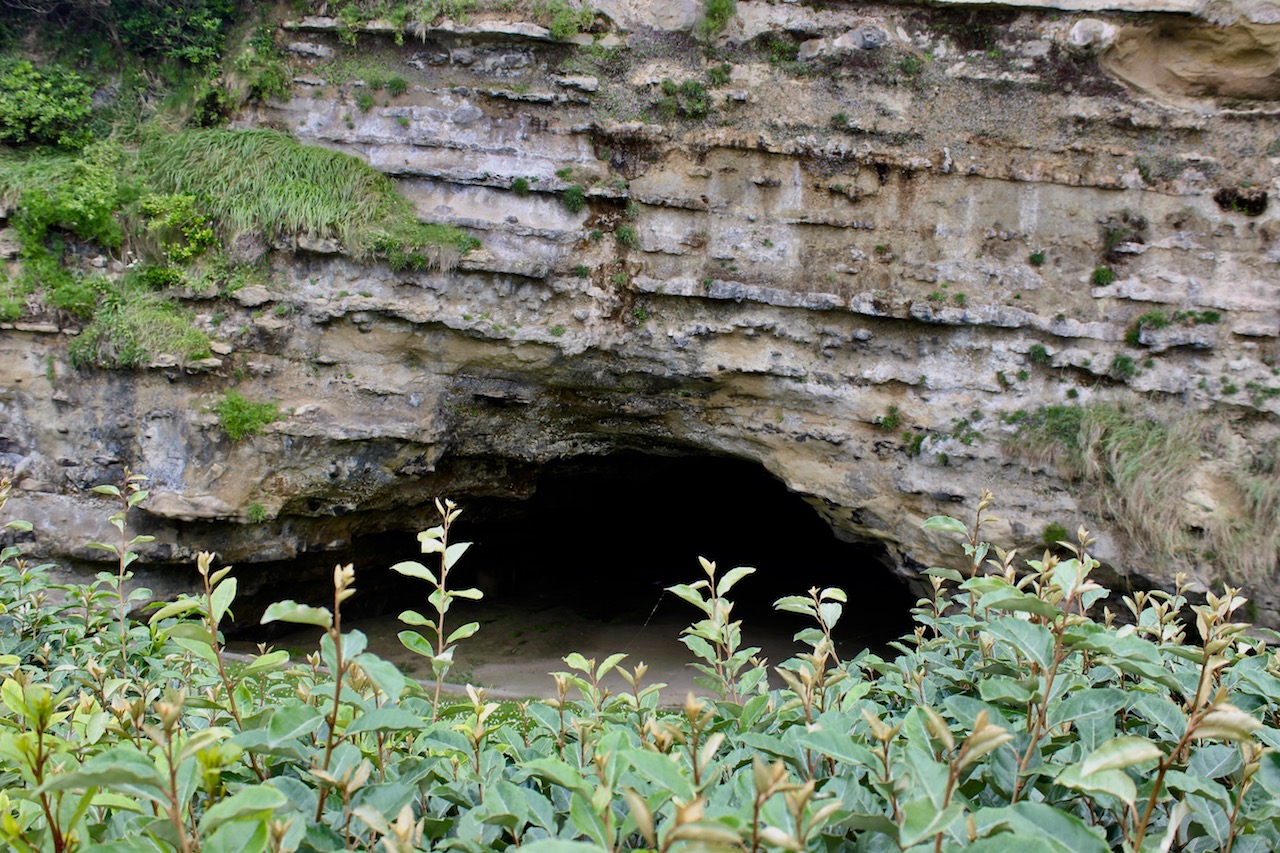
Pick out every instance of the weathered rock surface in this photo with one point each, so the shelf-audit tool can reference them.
(845, 239)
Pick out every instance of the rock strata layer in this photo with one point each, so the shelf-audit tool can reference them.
(849, 247)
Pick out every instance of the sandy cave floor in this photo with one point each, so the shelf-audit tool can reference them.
(520, 642)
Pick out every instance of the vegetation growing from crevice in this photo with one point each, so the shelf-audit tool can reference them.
(263, 181)
(1009, 720)
(1136, 467)
(240, 417)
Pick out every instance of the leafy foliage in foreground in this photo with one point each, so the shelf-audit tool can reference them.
(1011, 721)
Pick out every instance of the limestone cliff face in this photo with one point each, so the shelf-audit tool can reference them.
(883, 216)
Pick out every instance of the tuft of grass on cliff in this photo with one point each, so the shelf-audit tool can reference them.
(264, 181)
(1139, 465)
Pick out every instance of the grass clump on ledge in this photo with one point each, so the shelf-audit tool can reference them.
(133, 326)
(240, 417)
(1139, 463)
(263, 181)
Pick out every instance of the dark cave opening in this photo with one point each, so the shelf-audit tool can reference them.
(605, 535)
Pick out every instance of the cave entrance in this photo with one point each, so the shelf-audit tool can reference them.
(582, 565)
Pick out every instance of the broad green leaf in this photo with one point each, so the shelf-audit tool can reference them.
(921, 819)
(200, 648)
(291, 722)
(662, 771)
(454, 553)
(1032, 642)
(609, 663)
(1065, 833)
(1120, 753)
(181, 607)
(1269, 774)
(414, 569)
(221, 599)
(385, 675)
(944, 573)
(556, 845)
(585, 819)
(1094, 702)
(731, 577)
(416, 643)
(472, 593)
(1161, 712)
(123, 768)
(794, 604)
(556, 771)
(1116, 783)
(413, 617)
(190, 630)
(945, 524)
(1008, 842)
(300, 614)
(463, 632)
(1016, 600)
(253, 802)
(1212, 817)
(269, 661)
(839, 746)
(385, 719)
(1189, 783)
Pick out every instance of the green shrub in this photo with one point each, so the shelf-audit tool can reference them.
(188, 30)
(75, 294)
(1038, 354)
(1009, 720)
(574, 198)
(364, 101)
(134, 326)
(520, 186)
(582, 271)
(1154, 319)
(43, 106)
(397, 86)
(1053, 534)
(719, 75)
(1036, 258)
(239, 417)
(715, 17)
(564, 20)
(890, 419)
(1123, 367)
(626, 235)
(255, 513)
(1102, 276)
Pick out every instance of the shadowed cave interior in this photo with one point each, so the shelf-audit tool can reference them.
(604, 535)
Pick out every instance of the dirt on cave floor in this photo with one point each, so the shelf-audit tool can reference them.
(521, 642)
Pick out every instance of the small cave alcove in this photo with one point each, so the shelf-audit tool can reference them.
(599, 540)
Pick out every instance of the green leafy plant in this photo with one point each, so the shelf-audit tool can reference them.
(1036, 258)
(1039, 355)
(240, 417)
(890, 419)
(520, 186)
(1102, 276)
(626, 235)
(574, 198)
(43, 106)
(715, 17)
(1008, 719)
(440, 653)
